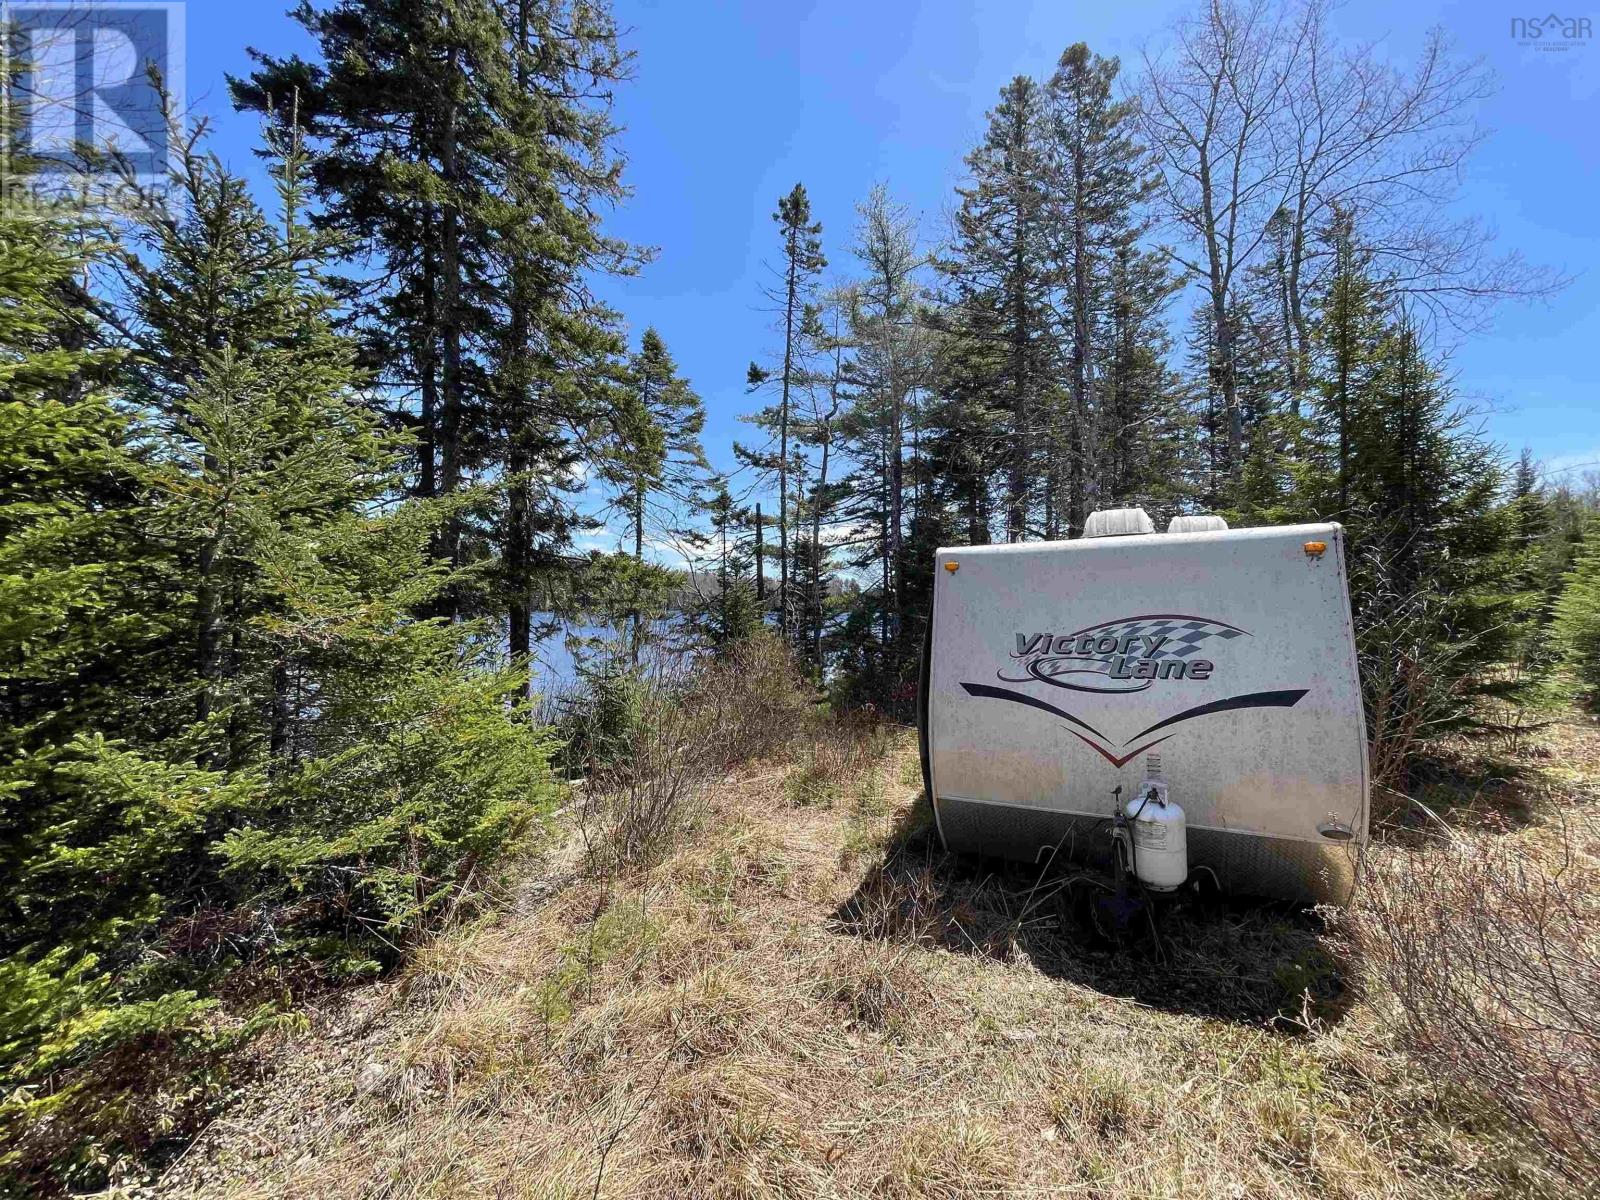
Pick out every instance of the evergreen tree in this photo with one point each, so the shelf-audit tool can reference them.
(1112, 290)
(554, 359)
(725, 608)
(1534, 587)
(1000, 272)
(68, 493)
(655, 458)
(889, 368)
(665, 458)
(1205, 449)
(397, 169)
(801, 263)
(1351, 326)
(1142, 422)
(965, 440)
(273, 760)
(827, 338)
(80, 585)
(1389, 454)
(480, 196)
(1577, 613)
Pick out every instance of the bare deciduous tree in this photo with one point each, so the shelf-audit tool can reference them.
(1265, 127)
(1212, 111)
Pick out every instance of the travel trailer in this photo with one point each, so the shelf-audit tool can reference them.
(1192, 694)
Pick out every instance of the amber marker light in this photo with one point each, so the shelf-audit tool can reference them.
(952, 567)
(1316, 549)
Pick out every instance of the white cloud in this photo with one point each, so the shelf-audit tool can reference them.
(667, 551)
(597, 539)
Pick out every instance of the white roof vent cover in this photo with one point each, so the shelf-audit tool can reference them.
(1198, 523)
(1118, 522)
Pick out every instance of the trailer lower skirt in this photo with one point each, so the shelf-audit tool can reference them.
(1246, 864)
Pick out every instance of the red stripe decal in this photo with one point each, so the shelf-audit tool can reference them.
(1113, 759)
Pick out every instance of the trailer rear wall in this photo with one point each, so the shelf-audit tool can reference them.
(1057, 669)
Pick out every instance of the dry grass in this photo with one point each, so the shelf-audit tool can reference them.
(827, 767)
(809, 1001)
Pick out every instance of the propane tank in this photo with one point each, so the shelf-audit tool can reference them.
(1160, 838)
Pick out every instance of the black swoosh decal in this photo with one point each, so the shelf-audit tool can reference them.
(1032, 669)
(995, 693)
(1286, 699)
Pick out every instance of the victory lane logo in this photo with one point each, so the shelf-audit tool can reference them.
(1124, 655)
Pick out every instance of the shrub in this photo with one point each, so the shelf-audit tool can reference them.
(685, 721)
(750, 699)
(1493, 967)
(636, 805)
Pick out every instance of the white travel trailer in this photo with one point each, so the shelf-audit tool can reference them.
(1062, 677)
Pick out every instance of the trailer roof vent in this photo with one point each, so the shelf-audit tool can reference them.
(1198, 523)
(1118, 522)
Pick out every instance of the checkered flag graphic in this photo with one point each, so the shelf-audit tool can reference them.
(1185, 635)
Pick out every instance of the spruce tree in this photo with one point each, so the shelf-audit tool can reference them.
(1577, 613)
(1388, 452)
(827, 335)
(1000, 274)
(555, 352)
(726, 609)
(396, 169)
(480, 195)
(889, 369)
(801, 262)
(276, 491)
(659, 450)
(964, 448)
(80, 581)
(1351, 324)
(1529, 580)
(266, 758)
(1100, 179)
(1140, 418)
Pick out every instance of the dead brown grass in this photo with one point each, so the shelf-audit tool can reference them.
(720, 1025)
(827, 767)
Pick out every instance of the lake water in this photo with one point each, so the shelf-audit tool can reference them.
(556, 656)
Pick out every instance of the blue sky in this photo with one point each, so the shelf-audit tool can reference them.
(732, 104)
